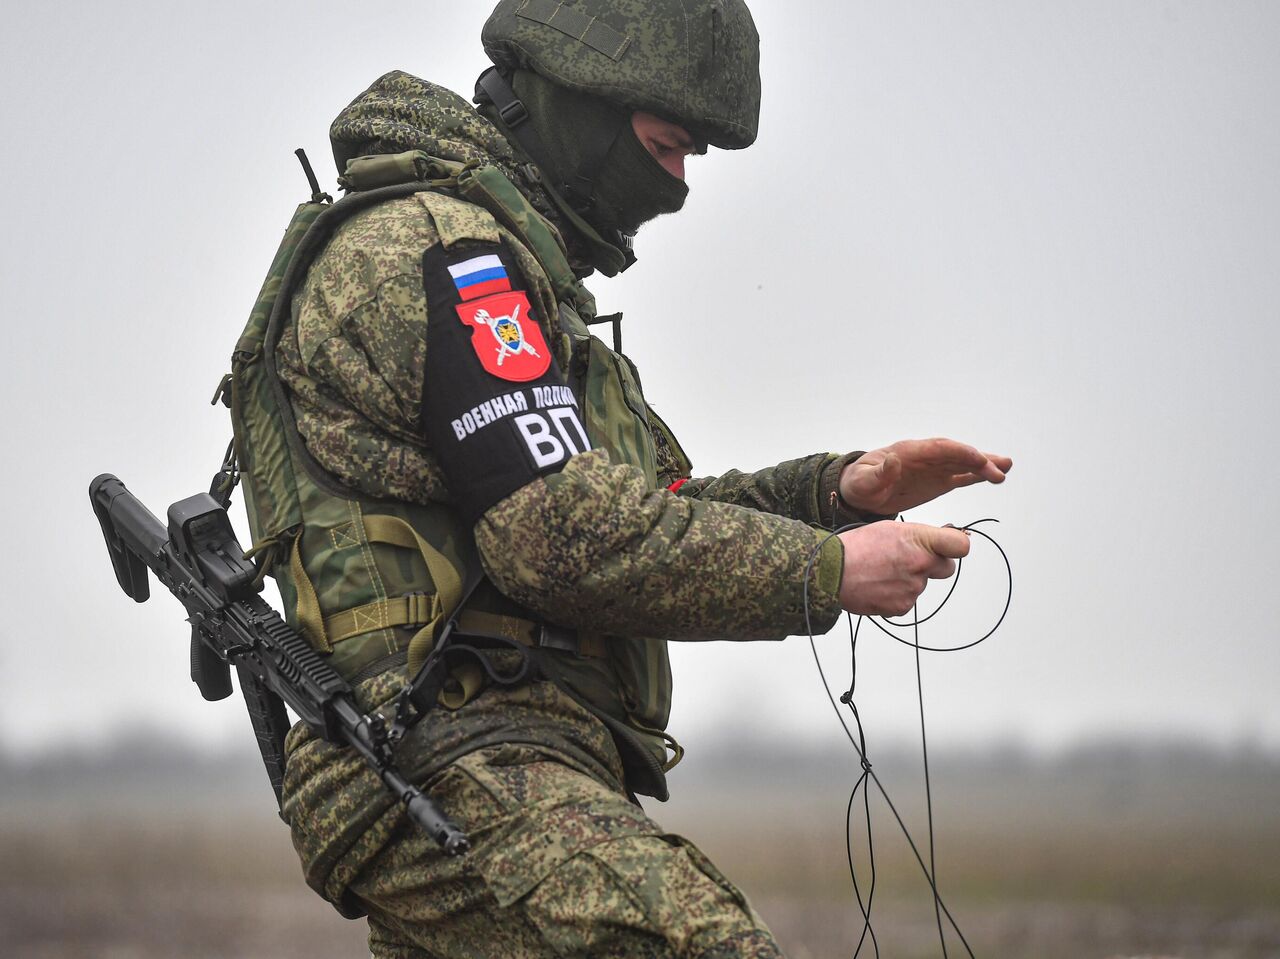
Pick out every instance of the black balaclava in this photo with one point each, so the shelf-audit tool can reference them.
(594, 157)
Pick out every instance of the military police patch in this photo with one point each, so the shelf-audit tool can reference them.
(496, 410)
(505, 336)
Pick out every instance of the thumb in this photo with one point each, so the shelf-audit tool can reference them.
(943, 541)
(889, 471)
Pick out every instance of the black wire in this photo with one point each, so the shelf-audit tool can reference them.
(880, 622)
(928, 794)
(848, 849)
(847, 699)
(884, 793)
(859, 745)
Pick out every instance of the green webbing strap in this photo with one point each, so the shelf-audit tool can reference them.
(267, 553)
(419, 609)
(412, 610)
(427, 611)
(393, 531)
(310, 620)
(464, 681)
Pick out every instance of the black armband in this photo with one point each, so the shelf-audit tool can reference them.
(496, 409)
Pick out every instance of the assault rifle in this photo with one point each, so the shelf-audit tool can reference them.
(199, 560)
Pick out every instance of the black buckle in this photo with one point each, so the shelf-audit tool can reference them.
(558, 637)
(513, 113)
(493, 87)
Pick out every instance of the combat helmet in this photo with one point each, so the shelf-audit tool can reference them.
(693, 62)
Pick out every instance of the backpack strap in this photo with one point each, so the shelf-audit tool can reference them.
(417, 609)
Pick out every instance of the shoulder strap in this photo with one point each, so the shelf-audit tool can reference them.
(488, 187)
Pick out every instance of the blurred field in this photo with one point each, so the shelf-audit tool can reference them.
(1107, 853)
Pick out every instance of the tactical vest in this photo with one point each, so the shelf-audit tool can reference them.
(371, 582)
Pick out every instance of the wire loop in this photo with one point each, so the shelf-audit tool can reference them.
(859, 743)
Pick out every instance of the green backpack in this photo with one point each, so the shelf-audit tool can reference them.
(306, 527)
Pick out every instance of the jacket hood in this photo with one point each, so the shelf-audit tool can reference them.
(401, 112)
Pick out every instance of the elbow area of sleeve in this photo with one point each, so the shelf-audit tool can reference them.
(592, 546)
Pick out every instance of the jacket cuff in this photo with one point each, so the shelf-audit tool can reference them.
(841, 514)
(824, 583)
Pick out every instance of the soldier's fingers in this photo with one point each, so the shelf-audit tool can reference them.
(941, 568)
(951, 454)
(902, 602)
(1002, 463)
(898, 606)
(988, 473)
(991, 471)
(949, 542)
(961, 458)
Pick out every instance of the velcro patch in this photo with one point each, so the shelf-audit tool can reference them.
(496, 411)
(592, 31)
(505, 337)
(480, 276)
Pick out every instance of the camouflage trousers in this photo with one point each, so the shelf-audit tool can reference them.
(562, 864)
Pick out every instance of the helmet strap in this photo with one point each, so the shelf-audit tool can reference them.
(575, 197)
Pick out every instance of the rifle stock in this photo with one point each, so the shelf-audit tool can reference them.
(200, 562)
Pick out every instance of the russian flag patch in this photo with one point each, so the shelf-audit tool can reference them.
(480, 276)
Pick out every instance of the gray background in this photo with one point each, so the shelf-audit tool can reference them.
(1047, 229)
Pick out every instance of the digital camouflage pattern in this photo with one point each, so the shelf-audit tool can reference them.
(401, 112)
(354, 360)
(695, 62)
(355, 363)
(801, 488)
(610, 580)
(340, 813)
(562, 863)
(602, 546)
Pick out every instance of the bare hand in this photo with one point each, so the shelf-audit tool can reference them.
(911, 472)
(887, 565)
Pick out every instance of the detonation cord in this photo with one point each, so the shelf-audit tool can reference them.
(859, 743)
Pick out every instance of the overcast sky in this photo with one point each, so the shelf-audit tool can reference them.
(1049, 229)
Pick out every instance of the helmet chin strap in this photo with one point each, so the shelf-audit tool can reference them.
(574, 198)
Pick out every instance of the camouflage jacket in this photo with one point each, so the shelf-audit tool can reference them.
(620, 543)
(601, 546)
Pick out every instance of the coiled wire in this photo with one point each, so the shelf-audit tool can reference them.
(859, 742)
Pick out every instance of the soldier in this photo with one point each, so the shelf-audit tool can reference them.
(451, 442)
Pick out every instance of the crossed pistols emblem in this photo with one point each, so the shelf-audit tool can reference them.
(522, 355)
(508, 332)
